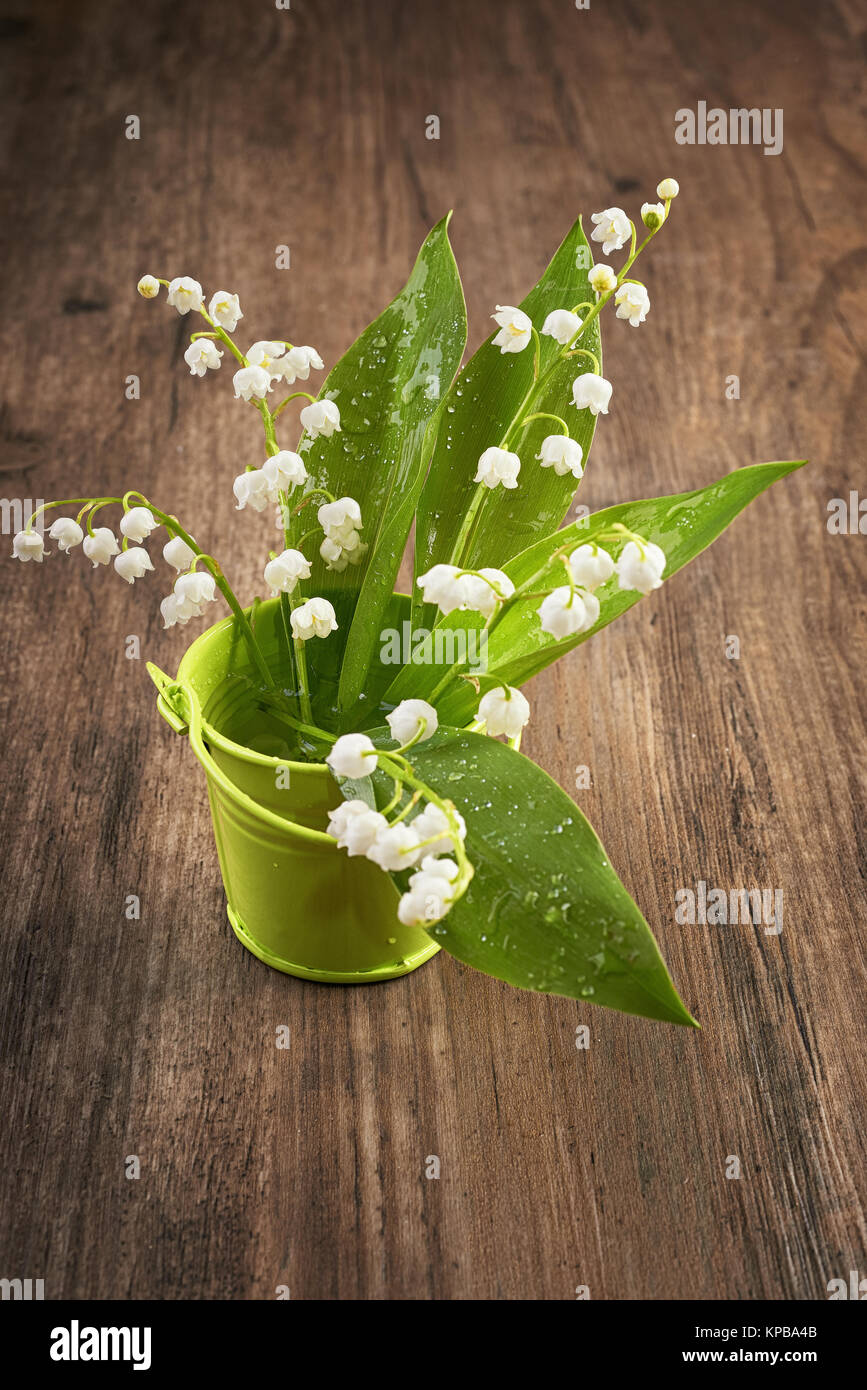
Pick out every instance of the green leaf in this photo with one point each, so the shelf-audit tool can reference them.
(483, 403)
(545, 910)
(389, 388)
(683, 525)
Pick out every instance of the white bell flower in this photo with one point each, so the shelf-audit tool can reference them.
(251, 383)
(591, 567)
(195, 589)
(498, 466)
(353, 755)
(405, 721)
(591, 392)
(355, 826)
(653, 215)
(148, 287)
(29, 545)
(562, 325)
(297, 362)
(132, 563)
(339, 518)
(284, 470)
(502, 713)
(225, 309)
(335, 557)
(478, 594)
(563, 454)
(602, 278)
(170, 611)
(252, 489)
(178, 554)
(200, 355)
(137, 524)
(633, 303)
(426, 901)
(566, 612)
(185, 294)
(285, 570)
(433, 824)
(395, 848)
(516, 328)
(66, 532)
(315, 618)
(641, 572)
(441, 586)
(669, 188)
(613, 228)
(101, 546)
(438, 868)
(320, 417)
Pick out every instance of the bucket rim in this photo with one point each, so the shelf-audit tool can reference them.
(228, 745)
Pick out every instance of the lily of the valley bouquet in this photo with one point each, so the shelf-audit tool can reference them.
(407, 698)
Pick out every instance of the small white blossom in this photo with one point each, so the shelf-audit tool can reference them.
(148, 287)
(267, 354)
(137, 523)
(285, 570)
(29, 545)
(405, 721)
(395, 848)
(170, 611)
(515, 328)
(498, 466)
(566, 612)
(195, 590)
(297, 363)
(353, 755)
(591, 567)
(284, 470)
(178, 554)
(478, 594)
(251, 383)
(591, 392)
(185, 294)
(340, 518)
(563, 454)
(334, 555)
(602, 278)
(252, 489)
(315, 618)
(613, 228)
(669, 188)
(633, 303)
(225, 309)
(355, 826)
(433, 824)
(320, 417)
(653, 215)
(503, 713)
(640, 571)
(562, 325)
(101, 546)
(200, 355)
(441, 586)
(66, 532)
(132, 563)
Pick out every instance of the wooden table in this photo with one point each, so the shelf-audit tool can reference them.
(155, 1037)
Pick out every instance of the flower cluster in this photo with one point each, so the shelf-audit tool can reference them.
(425, 843)
(451, 588)
(341, 522)
(259, 488)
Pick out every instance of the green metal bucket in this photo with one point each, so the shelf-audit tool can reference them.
(294, 900)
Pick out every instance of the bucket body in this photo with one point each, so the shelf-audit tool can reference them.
(294, 900)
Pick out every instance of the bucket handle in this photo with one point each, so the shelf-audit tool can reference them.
(179, 706)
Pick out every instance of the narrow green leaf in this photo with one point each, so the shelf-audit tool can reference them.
(683, 525)
(389, 388)
(483, 403)
(545, 910)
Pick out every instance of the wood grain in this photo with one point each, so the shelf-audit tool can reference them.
(156, 1037)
